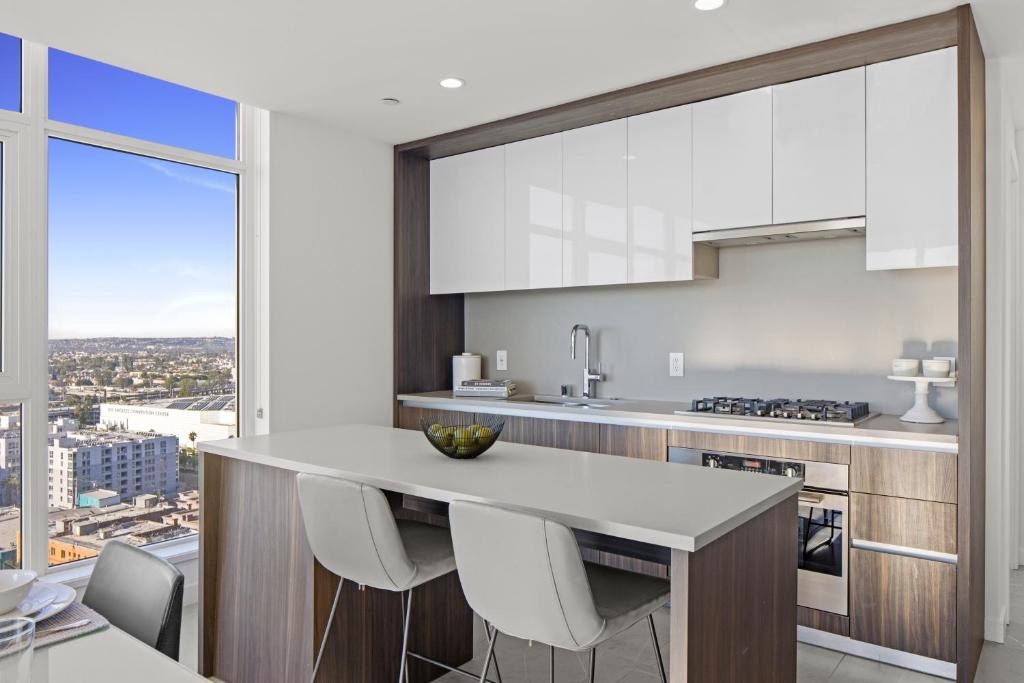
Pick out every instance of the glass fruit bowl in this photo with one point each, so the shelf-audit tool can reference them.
(463, 436)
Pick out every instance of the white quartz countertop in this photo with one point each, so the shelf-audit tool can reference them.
(678, 506)
(884, 431)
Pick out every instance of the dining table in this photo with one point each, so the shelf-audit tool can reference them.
(109, 655)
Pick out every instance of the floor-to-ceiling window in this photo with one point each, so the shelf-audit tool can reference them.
(129, 344)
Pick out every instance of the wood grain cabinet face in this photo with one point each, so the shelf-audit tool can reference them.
(634, 442)
(467, 222)
(923, 475)
(903, 603)
(818, 148)
(660, 231)
(594, 205)
(732, 161)
(904, 522)
(912, 155)
(533, 213)
(573, 436)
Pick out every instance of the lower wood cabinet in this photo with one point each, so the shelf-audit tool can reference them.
(631, 442)
(573, 436)
(634, 442)
(904, 603)
(409, 418)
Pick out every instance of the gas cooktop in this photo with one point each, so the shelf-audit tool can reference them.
(847, 413)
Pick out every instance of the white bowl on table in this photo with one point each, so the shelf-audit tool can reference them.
(906, 367)
(14, 586)
(935, 368)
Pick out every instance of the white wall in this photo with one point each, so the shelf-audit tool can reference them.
(1001, 455)
(330, 253)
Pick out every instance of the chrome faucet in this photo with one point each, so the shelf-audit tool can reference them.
(590, 377)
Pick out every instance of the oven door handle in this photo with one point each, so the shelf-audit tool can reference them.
(811, 498)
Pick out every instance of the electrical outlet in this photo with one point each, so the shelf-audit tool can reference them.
(501, 360)
(675, 365)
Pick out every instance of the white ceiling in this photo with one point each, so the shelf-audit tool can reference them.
(332, 60)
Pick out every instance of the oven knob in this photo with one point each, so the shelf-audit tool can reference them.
(713, 462)
(790, 471)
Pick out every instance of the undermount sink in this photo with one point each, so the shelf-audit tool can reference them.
(565, 401)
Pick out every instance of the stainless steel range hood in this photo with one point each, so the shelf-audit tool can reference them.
(787, 232)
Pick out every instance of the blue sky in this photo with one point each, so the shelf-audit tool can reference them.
(139, 247)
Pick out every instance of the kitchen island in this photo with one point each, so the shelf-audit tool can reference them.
(264, 600)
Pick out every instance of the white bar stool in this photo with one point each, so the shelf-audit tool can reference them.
(524, 575)
(354, 534)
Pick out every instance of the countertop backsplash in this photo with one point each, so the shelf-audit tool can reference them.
(802, 320)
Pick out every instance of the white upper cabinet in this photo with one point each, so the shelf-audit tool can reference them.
(732, 161)
(660, 220)
(912, 162)
(594, 204)
(467, 222)
(533, 213)
(818, 152)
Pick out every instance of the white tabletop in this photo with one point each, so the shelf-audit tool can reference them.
(678, 506)
(110, 656)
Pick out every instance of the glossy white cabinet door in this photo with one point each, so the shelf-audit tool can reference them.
(660, 221)
(732, 161)
(912, 162)
(533, 213)
(467, 222)
(594, 203)
(818, 148)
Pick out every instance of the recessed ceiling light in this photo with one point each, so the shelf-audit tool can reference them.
(707, 5)
(452, 82)
(390, 101)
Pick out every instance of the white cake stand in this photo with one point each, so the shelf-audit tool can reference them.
(922, 412)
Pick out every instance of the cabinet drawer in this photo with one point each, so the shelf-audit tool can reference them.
(409, 418)
(634, 442)
(903, 522)
(758, 445)
(904, 603)
(574, 436)
(907, 474)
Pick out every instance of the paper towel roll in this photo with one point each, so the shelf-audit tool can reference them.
(466, 366)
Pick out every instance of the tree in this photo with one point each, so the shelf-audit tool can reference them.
(192, 436)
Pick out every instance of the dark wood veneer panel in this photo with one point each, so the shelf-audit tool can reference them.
(258, 604)
(970, 580)
(429, 330)
(634, 442)
(845, 52)
(823, 621)
(734, 610)
(904, 603)
(922, 524)
(366, 637)
(573, 436)
(908, 474)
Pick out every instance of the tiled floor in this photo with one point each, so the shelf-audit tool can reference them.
(630, 657)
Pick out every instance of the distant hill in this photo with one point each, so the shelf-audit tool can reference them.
(140, 344)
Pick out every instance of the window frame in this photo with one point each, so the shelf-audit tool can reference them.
(24, 316)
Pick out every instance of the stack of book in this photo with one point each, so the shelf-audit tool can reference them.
(486, 388)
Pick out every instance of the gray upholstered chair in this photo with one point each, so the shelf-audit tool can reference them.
(354, 534)
(138, 593)
(524, 575)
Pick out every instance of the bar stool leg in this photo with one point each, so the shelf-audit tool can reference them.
(489, 657)
(497, 671)
(657, 648)
(327, 630)
(593, 664)
(551, 658)
(403, 672)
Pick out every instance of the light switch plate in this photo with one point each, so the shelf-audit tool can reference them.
(501, 360)
(675, 365)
